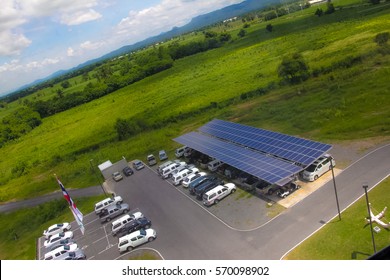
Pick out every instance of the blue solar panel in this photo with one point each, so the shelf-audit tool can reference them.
(267, 168)
(292, 148)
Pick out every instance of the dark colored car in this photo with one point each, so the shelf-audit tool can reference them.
(197, 182)
(206, 186)
(128, 171)
(134, 225)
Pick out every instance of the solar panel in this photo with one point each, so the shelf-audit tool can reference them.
(267, 168)
(292, 148)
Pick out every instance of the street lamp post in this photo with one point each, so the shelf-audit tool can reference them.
(97, 177)
(335, 189)
(365, 186)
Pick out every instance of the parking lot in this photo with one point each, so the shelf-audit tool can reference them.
(183, 224)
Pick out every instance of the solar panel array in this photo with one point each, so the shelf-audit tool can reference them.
(291, 148)
(270, 169)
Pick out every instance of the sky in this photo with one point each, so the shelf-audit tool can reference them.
(40, 37)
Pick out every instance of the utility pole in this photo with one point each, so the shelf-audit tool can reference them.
(365, 186)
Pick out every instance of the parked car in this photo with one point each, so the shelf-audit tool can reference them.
(214, 195)
(192, 177)
(113, 211)
(60, 243)
(137, 238)
(231, 172)
(78, 254)
(138, 224)
(167, 171)
(206, 186)
(55, 239)
(118, 224)
(138, 165)
(180, 151)
(101, 205)
(213, 165)
(162, 155)
(198, 182)
(178, 177)
(117, 176)
(283, 192)
(162, 166)
(52, 255)
(318, 168)
(151, 160)
(56, 228)
(128, 171)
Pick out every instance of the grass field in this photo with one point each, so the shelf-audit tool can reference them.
(345, 104)
(350, 238)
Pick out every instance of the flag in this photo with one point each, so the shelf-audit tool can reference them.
(76, 212)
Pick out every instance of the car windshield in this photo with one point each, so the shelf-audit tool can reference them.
(142, 232)
(66, 247)
(311, 168)
(62, 234)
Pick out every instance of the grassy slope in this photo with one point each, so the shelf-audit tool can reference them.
(349, 238)
(340, 107)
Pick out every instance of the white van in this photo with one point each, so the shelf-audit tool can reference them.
(122, 221)
(318, 168)
(180, 151)
(180, 176)
(213, 165)
(167, 171)
(107, 202)
(214, 195)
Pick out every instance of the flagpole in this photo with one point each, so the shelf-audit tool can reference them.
(72, 206)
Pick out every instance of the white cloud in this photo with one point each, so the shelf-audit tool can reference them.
(70, 52)
(80, 17)
(167, 14)
(88, 45)
(15, 65)
(12, 43)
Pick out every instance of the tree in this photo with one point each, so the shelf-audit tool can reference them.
(60, 93)
(330, 9)
(269, 28)
(382, 38)
(293, 69)
(65, 84)
(319, 12)
(242, 33)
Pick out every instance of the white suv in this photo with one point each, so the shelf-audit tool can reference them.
(134, 239)
(318, 168)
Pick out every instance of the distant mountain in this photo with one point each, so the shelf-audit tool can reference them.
(196, 23)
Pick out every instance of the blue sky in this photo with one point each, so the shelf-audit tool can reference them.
(39, 37)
